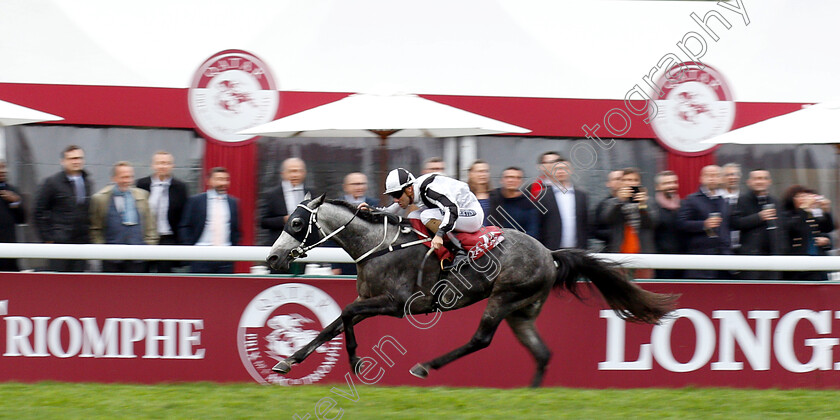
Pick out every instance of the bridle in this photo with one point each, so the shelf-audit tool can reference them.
(300, 250)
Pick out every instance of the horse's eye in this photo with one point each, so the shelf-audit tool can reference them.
(297, 223)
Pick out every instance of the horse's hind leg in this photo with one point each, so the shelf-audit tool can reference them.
(490, 320)
(522, 324)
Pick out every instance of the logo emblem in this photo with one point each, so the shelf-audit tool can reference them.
(232, 91)
(694, 106)
(281, 320)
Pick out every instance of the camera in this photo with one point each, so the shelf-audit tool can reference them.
(636, 189)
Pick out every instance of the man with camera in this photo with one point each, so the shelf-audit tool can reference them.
(631, 218)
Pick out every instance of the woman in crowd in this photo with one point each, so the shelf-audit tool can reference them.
(808, 221)
(478, 178)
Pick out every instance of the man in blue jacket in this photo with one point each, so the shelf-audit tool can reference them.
(704, 218)
(212, 219)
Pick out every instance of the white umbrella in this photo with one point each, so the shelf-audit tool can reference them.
(813, 124)
(383, 116)
(11, 114)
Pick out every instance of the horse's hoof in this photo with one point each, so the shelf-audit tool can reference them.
(419, 371)
(282, 368)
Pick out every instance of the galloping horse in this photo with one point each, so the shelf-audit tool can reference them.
(521, 276)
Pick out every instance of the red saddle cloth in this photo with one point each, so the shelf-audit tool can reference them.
(475, 243)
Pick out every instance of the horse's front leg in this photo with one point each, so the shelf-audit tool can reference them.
(327, 334)
(356, 311)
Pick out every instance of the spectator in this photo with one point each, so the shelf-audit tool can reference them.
(564, 222)
(703, 219)
(282, 200)
(119, 214)
(808, 221)
(212, 218)
(730, 192)
(510, 208)
(62, 207)
(631, 219)
(434, 165)
(666, 236)
(167, 197)
(601, 229)
(11, 213)
(478, 178)
(755, 216)
(355, 189)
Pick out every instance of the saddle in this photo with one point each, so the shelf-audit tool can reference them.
(474, 243)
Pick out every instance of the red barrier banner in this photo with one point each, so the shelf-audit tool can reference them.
(151, 329)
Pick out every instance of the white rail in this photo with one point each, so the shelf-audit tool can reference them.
(337, 255)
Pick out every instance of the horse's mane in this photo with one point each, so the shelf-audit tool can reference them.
(372, 216)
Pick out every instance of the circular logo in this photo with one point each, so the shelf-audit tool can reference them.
(232, 91)
(281, 320)
(693, 105)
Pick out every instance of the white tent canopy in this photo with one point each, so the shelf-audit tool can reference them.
(370, 115)
(11, 114)
(814, 124)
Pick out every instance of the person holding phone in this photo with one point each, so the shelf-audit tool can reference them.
(631, 218)
(807, 223)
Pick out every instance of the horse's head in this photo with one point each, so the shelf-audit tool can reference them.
(299, 232)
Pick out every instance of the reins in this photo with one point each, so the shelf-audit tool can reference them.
(300, 250)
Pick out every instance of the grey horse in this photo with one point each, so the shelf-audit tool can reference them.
(516, 277)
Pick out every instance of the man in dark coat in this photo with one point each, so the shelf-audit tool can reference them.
(755, 216)
(666, 235)
(11, 213)
(280, 202)
(218, 211)
(62, 207)
(167, 198)
(703, 219)
(565, 221)
(510, 208)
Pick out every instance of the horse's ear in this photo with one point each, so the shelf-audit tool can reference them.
(317, 201)
(308, 196)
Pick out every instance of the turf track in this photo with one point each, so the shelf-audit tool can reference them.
(211, 401)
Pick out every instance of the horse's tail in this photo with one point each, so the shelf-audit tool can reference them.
(629, 301)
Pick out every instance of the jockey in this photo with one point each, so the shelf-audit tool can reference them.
(444, 204)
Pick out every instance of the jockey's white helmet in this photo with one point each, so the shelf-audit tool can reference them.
(397, 180)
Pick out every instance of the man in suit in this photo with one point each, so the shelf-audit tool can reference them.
(119, 214)
(11, 213)
(62, 213)
(704, 219)
(755, 216)
(355, 190)
(167, 197)
(565, 216)
(212, 219)
(280, 202)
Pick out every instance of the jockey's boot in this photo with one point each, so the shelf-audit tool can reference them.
(459, 253)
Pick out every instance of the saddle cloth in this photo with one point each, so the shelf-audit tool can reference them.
(475, 243)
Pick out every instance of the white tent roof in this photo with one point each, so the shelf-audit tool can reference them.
(527, 48)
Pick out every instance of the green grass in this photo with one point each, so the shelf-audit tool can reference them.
(210, 401)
